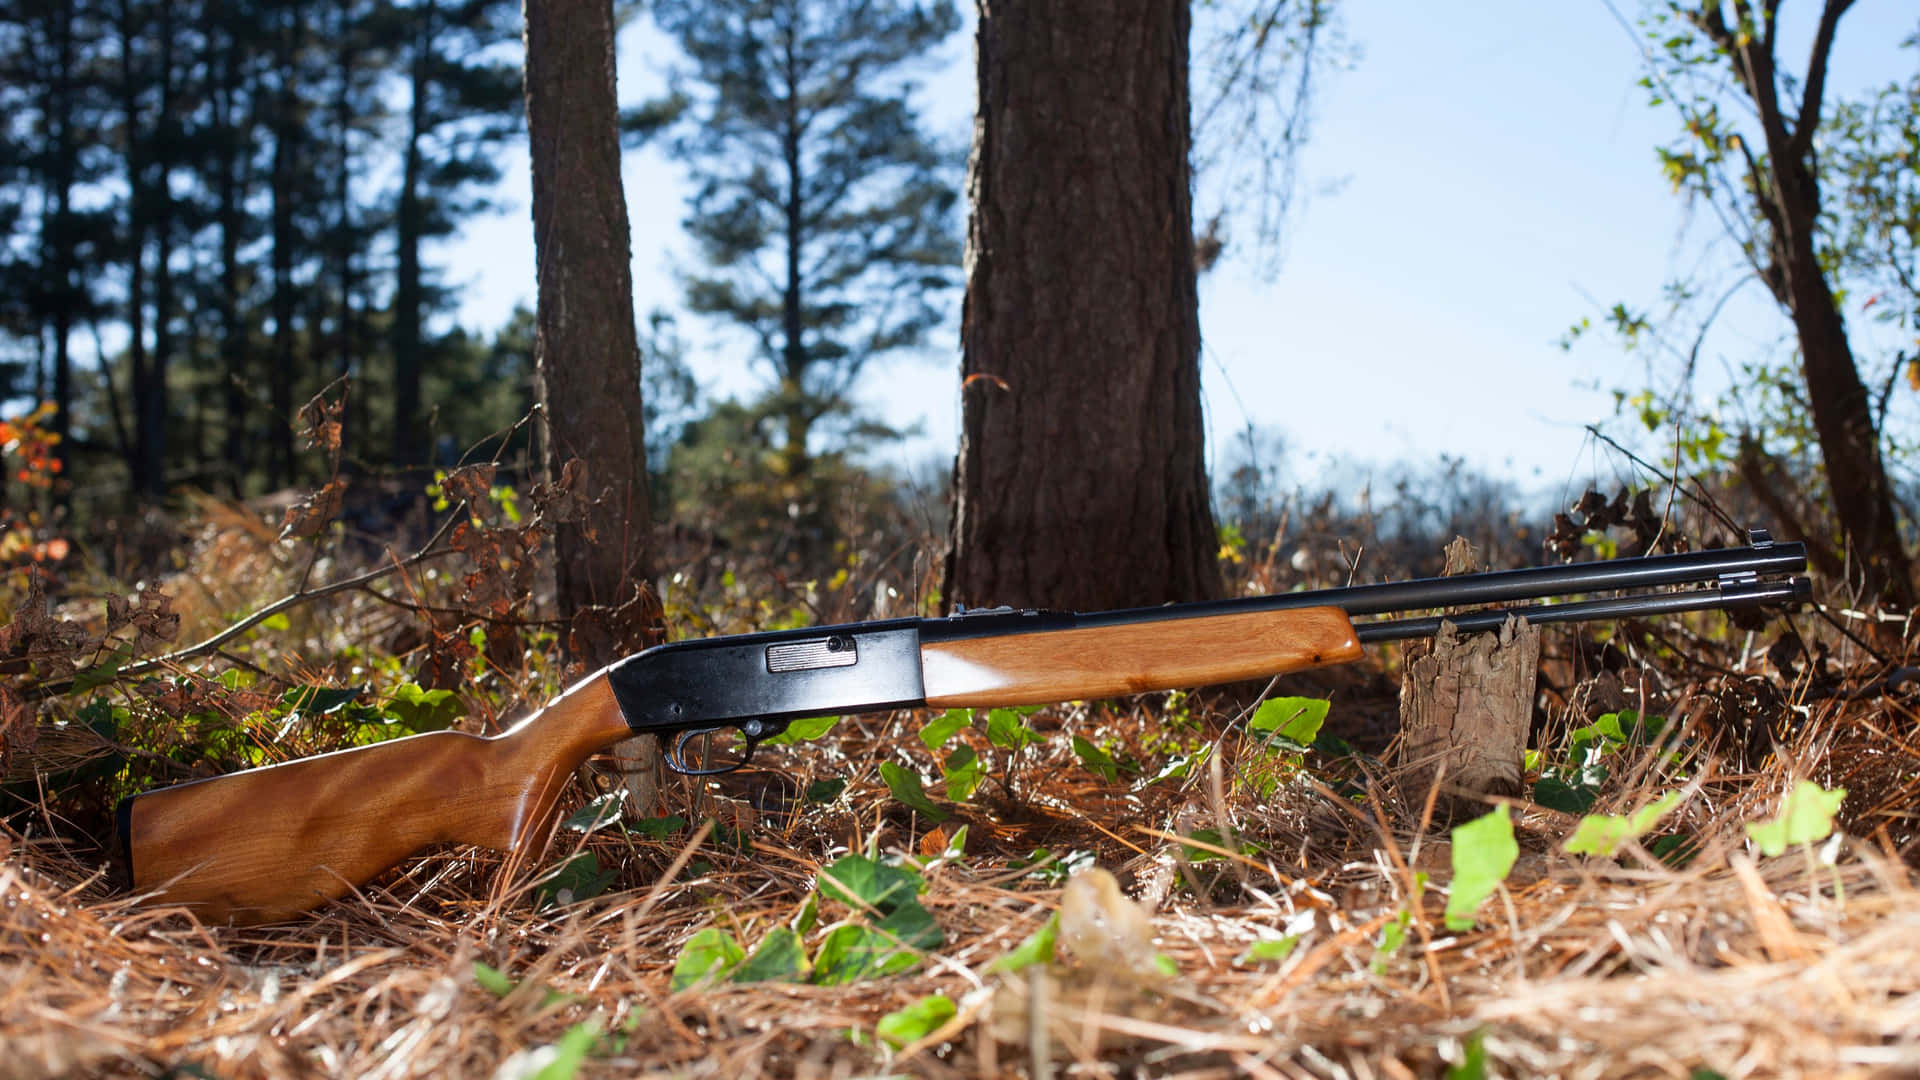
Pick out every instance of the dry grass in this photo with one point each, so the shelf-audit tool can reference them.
(1736, 964)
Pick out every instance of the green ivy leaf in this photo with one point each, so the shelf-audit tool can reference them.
(916, 1021)
(852, 952)
(420, 710)
(1806, 815)
(1473, 1063)
(909, 789)
(1007, 731)
(1098, 761)
(105, 672)
(1602, 834)
(1036, 949)
(805, 729)
(862, 883)
(1392, 936)
(780, 956)
(658, 828)
(601, 811)
(570, 1052)
(963, 773)
(1555, 793)
(1484, 852)
(825, 791)
(1180, 765)
(711, 954)
(944, 727)
(492, 979)
(579, 878)
(312, 701)
(1295, 719)
(1268, 950)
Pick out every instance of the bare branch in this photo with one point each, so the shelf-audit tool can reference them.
(1809, 118)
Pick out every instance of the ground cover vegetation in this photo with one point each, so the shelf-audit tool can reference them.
(1709, 873)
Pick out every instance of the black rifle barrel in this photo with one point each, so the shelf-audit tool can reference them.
(1726, 597)
(1499, 586)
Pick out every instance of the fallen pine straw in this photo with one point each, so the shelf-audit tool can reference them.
(1778, 967)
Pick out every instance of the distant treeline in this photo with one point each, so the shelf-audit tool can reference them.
(214, 208)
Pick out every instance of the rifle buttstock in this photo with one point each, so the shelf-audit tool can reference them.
(1132, 658)
(267, 844)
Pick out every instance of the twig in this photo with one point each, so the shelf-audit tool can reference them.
(291, 600)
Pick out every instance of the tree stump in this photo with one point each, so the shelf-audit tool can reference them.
(1465, 703)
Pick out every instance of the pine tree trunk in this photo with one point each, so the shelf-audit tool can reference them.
(1081, 479)
(407, 292)
(587, 355)
(66, 295)
(282, 468)
(229, 134)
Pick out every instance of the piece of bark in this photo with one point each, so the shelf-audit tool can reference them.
(1465, 702)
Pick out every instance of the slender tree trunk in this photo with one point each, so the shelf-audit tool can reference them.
(282, 469)
(793, 386)
(153, 405)
(139, 212)
(407, 293)
(1842, 410)
(344, 337)
(587, 354)
(1787, 191)
(231, 216)
(66, 297)
(1081, 480)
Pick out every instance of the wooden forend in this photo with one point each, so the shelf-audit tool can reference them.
(1062, 665)
(266, 844)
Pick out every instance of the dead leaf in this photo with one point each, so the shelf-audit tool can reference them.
(154, 618)
(311, 514)
(565, 499)
(472, 485)
(320, 421)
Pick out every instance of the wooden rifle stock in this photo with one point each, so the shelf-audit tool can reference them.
(269, 843)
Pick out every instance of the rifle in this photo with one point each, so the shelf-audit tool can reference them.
(269, 843)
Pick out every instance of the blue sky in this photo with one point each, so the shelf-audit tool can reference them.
(1480, 180)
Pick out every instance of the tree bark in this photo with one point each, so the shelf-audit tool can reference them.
(1465, 704)
(1081, 480)
(587, 354)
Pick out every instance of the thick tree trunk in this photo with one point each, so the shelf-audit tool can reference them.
(587, 355)
(1081, 480)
